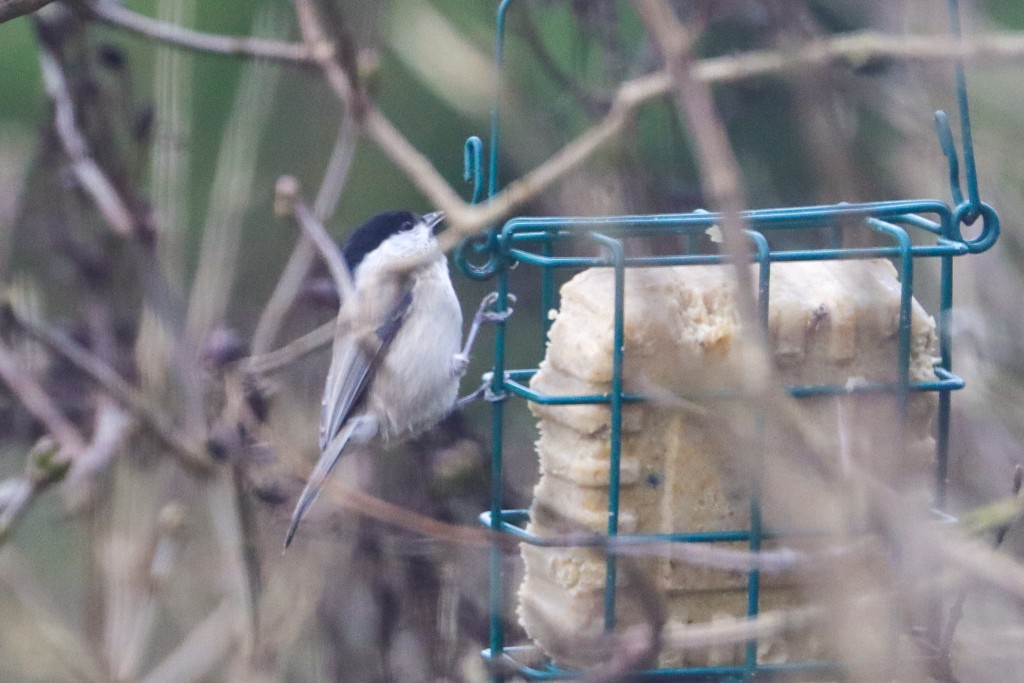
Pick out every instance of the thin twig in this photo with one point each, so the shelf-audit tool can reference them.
(855, 48)
(11, 9)
(88, 174)
(335, 177)
(115, 15)
(47, 464)
(956, 612)
(690, 636)
(278, 359)
(290, 283)
(320, 47)
(367, 505)
(288, 200)
(719, 168)
(775, 561)
(463, 219)
(112, 428)
(418, 168)
(169, 189)
(38, 402)
(191, 457)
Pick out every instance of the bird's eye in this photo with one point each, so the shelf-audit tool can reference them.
(407, 225)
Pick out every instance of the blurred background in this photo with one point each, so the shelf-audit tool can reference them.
(131, 568)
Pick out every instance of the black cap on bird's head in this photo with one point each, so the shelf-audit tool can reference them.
(373, 232)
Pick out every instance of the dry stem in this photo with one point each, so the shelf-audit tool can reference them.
(191, 457)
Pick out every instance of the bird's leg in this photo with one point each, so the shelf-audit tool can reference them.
(460, 361)
(469, 398)
(483, 391)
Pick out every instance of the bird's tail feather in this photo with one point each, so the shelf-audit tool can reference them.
(324, 466)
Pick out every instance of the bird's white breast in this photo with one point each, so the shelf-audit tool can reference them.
(416, 385)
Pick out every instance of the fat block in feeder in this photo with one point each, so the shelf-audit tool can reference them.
(829, 323)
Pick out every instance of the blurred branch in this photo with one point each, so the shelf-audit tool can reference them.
(54, 650)
(634, 647)
(89, 175)
(977, 559)
(47, 464)
(855, 49)
(301, 259)
(190, 457)
(11, 9)
(111, 430)
(154, 570)
(775, 561)
(590, 101)
(719, 169)
(35, 399)
(171, 149)
(334, 181)
(319, 45)
(50, 462)
(861, 48)
(997, 516)
(273, 361)
(372, 507)
(288, 200)
(956, 612)
(115, 15)
(726, 631)
(226, 509)
(201, 650)
(232, 189)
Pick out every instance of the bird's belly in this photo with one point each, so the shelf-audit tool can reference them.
(416, 385)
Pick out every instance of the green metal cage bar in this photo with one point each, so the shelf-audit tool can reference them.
(917, 229)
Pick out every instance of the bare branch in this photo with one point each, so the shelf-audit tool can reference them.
(288, 200)
(690, 636)
(301, 259)
(774, 561)
(367, 505)
(859, 48)
(47, 464)
(38, 402)
(191, 457)
(115, 15)
(319, 46)
(11, 9)
(89, 175)
(720, 173)
(201, 650)
(855, 48)
(112, 428)
(417, 167)
(335, 177)
(273, 361)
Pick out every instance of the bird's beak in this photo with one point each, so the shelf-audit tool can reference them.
(432, 220)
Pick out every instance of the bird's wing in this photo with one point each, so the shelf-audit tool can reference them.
(353, 366)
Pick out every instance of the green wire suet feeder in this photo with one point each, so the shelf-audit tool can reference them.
(913, 229)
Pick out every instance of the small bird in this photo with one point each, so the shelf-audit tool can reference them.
(396, 361)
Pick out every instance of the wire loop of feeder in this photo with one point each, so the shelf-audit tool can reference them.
(914, 229)
(485, 243)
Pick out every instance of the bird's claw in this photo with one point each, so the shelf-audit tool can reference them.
(485, 316)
